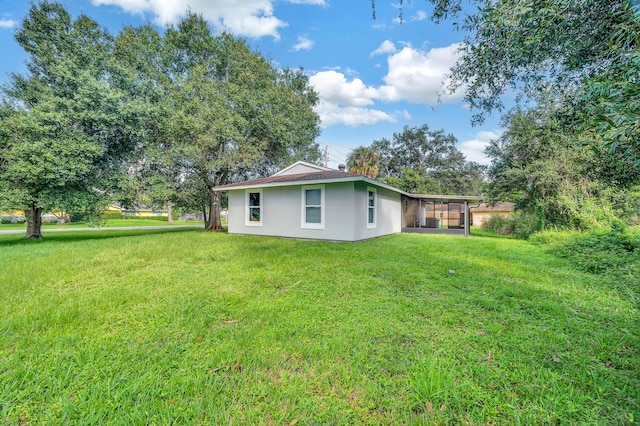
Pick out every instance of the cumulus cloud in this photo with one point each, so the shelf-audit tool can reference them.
(334, 87)
(344, 101)
(304, 43)
(474, 148)
(8, 23)
(250, 18)
(420, 76)
(386, 47)
(414, 75)
(331, 114)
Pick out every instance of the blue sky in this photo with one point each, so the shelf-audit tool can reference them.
(373, 76)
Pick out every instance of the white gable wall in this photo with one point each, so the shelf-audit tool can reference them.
(301, 167)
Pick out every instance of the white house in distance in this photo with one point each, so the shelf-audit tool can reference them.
(313, 202)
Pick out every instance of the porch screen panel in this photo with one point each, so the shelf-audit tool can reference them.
(410, 217)
(456, 215)
(430, 217)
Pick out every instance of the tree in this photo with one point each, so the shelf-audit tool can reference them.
(364, 161)
(587, 52)
(69, 128)
(228, 113)
(538, 165)
(422, 160)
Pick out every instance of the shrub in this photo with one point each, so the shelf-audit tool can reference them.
(499, 224)
(518, 224)
(614, 253)
(5, 221)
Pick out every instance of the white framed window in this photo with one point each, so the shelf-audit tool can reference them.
(313, 207)
(253, 203)
(372, 207)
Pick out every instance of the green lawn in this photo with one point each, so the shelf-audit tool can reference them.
(111, 223)
(190, 327)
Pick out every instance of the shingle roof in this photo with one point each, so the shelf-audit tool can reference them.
(299, 177)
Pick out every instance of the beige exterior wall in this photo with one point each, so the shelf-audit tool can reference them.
(478, 218)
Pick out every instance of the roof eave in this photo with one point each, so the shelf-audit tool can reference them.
(313, 182)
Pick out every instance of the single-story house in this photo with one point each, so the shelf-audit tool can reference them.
(483, 211)
(309, 201)
(136, 211)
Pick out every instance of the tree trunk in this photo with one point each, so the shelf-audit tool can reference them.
(214, 223)
(169, 213)
(34, 222)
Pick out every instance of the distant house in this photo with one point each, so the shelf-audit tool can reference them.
(314, 202)
(137, 211)
(483, 211)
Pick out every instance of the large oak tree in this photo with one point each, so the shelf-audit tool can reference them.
(69, 127)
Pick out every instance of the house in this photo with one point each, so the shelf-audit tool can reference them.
(313, 202)
(483, 211)
(136, 211)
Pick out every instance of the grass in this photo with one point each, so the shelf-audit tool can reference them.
(111, 223)
(189, 327)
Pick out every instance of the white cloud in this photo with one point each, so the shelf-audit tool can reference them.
(346, 102)
(331, 114)
(474, 148)
(421, 15)
(386, 47)
(334, 88)
(250, 18)
(420, 76)
(8, 23)
(304, 43)
(414, 75)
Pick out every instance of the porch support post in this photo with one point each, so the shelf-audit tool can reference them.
(466, 218)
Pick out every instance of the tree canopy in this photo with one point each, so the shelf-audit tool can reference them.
(68, 125)
(174, 115)
(586, 52)
(420, 160)
(227, 113)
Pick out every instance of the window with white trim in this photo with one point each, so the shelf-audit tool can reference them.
(313, 207)
(253, 203)
(372, 201)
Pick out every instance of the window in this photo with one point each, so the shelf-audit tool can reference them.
(372, 201)
(313, 207)
(254, 207)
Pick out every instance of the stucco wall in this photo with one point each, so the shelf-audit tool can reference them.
(281, 213)
(478, 218)
(345, 213)
(389, 211)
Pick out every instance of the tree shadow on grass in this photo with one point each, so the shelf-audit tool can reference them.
(75, 236)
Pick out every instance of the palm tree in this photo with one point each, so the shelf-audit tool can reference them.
(364, 161)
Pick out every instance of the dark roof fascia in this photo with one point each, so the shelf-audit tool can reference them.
(351, 178)
(447, 197)
(249, 185)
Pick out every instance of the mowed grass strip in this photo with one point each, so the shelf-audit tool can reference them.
(197, 328)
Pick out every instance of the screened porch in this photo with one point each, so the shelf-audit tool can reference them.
(436, 214)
